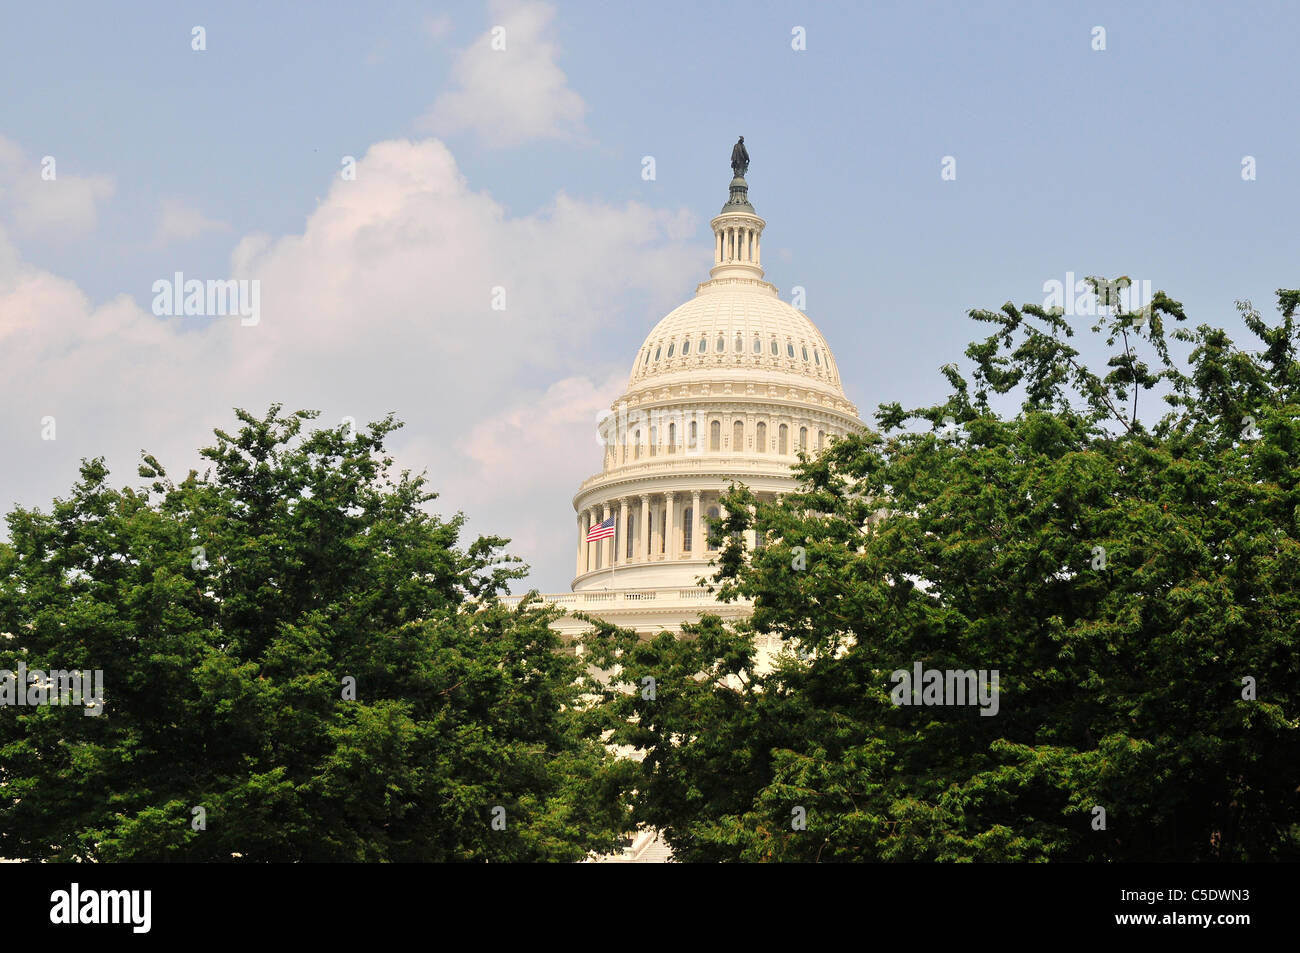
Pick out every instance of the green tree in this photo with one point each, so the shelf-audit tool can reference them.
(1129, 584)
(230, 613)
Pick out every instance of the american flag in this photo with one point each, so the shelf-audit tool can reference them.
(603, 530)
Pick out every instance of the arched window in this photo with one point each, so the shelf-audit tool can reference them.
(654, 440)
(631, 533)
(694, 436)
(821, 439)
(656, 353)
(758, 345)
(721, 345)
(740, 345)
(783, 440)
(671, 345)
(647, 358)
(738, 436)
(688, 519)
(636, 446)
(789, 349)
(760, 437)
(817, 357)
(803, 438)
(686, 347)
(775, 351)
(715, 435)
(805, 354)
(712, 541)
(672, 438)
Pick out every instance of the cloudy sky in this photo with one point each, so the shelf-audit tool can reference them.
(127, 155)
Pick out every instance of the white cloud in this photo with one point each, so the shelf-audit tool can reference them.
(546, 440)
(66, 203)
(437, 26)
(382, 303)
(514, 94)
(178, 221)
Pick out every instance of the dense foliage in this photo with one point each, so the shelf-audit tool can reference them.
(228, 612)
(1136, 587)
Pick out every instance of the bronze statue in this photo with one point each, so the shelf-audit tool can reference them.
(739, 158)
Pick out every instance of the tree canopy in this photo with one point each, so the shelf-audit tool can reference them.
(1133, 578)
(300, 663)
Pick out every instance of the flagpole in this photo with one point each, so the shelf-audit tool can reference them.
(613, 551)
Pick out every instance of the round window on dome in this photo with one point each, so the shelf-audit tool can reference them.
(670, 349)
(686, 346)
(789, 349)
(805, 355)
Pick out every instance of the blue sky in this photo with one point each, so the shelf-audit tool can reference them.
(214, 162)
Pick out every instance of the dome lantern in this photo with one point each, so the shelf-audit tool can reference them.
(737, 229)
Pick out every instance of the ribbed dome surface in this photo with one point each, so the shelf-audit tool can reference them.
(736, 323)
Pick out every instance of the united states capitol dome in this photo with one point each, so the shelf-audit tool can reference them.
(730, 387)
(749, 330)
(737, 327)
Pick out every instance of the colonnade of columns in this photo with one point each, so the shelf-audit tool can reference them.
(736, 243)
(667, 525)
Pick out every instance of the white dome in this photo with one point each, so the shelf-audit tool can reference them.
(737, 324)
(731, 387)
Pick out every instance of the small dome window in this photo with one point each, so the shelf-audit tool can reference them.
(805, 354)
(776, 351)
(686, 346)
(647, 358)
(789, 349)
(670, 349)
(817, 357)
(721, 345)
(740, 344)
(657, 354)
(758, 345)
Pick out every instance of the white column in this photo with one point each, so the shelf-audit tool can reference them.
(607, 545)
(591, 549)
(697, 540)
(645, 527)
(670, 541)
(582, 544)
(620, 537)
